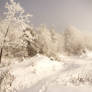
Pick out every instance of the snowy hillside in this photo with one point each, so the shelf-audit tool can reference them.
(37, 58)
(29, 72)
(39, 73)
(74, 76)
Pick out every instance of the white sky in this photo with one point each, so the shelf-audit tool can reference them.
(60, 13)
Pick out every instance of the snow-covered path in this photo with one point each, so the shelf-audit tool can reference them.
(75, 76)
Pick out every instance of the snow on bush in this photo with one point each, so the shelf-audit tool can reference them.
(6, 82)
(88, 40)
(49, 42)
(6, 79)
(44, 41)
(74, 41)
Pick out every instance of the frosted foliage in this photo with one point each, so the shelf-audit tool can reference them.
(49, 42)
(15, 21)
(44, 38)
(58, 41)
(88, 40)
(16, 14)
(74, 41)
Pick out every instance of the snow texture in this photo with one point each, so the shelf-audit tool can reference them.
(41, 74)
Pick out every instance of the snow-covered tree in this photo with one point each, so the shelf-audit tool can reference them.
(13, 24)
(74, 41)
(44, 39)
(31, 39)
(58, 41)
(16, 15)
(49, 42)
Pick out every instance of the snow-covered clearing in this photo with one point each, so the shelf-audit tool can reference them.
(58, 88)
(28, 73)
(41, 74)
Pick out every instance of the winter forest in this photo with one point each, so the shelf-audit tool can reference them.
(41, 59)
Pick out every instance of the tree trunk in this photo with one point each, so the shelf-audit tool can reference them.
(1, 52)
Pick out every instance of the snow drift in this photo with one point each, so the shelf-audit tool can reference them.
(29, 72)
(42, 73)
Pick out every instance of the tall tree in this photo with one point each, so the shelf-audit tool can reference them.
(16, 16)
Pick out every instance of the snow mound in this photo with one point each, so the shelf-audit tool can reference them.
(40, 72)
(31, 71)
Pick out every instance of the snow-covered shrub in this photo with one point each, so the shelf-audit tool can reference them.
(38, 41)
(43, 41)
(58, 41)
(88, 40)
(30, 38)
(6, 80)
(49, 42)
(74, 41)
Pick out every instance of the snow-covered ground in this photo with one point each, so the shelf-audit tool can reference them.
(58, 88)
(28, 73)
(41, 74)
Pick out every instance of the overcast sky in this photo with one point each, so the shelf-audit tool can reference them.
(59, 13)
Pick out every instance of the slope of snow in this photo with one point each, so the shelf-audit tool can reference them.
(58, 88)
(39, 74)
(76, 76)
(28, 73)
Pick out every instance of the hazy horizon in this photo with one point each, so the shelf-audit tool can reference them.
(59, 13)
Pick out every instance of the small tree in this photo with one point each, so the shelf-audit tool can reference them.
(74, 41)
